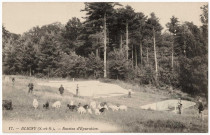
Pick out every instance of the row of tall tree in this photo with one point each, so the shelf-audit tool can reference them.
(114, 42)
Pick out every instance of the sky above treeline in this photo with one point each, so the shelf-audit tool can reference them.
(20, 17)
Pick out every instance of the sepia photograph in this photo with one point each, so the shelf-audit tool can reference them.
(104, 67)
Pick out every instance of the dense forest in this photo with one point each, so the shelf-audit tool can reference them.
(114, 42)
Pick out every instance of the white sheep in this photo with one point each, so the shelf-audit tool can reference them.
(97, 112)
(123, 108)
(35, 103)
(81, 110)
(89, 111)
(71, 102)
(106, 107)
(57, 104)
(113, 107)
(93, 104)
(99, 106)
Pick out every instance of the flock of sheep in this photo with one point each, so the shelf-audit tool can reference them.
(91, 108)
(82, 109)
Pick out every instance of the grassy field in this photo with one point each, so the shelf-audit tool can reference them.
(134, 120)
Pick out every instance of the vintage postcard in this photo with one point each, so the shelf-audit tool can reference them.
(105, 67)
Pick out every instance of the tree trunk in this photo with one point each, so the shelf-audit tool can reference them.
(127, 40)
(99, 53)
(30, 71)
(97, 47)
(96, 52)
(136, 58)
(172, 55)
(48, 72)
(120, 42)
(132, 56)
(105, 46)
(147, 55)
(156, 70)
(140, 52)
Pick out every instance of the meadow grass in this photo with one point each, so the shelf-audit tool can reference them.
(134, 120)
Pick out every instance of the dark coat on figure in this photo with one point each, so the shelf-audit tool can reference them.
(30, 86)
(200, 107)
(61, 89)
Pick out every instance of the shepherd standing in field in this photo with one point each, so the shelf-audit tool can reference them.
(200, 108)
(61, 90)
(77, 90)
(129, 93)
(179, 106)
(13, 81)
(30, 86)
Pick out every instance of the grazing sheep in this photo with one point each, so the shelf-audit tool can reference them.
(93, 104)
(35, 104)
(106, 107)
(113, 107)
(81, 110)
(72, 107)
(99, 106)
(89, 111)
(79, 105)
(102, 110)
(46, 105)
(7, 104)
(123, 108)
(86, 106)
(57, 104)
(103, 104)
(72, 102)
(97, 112)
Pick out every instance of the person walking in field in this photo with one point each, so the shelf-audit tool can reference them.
(13, 81)
(200, 108)
(179, 106)
(61, 89)
(77, 91)
(31, 87)
(129, 93)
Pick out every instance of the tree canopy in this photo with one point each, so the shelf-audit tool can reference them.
(125, 44)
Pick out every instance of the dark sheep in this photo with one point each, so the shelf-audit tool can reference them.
(7, 104)
(86, 106)
(46, 105)
(72, 107)
(102, 110)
